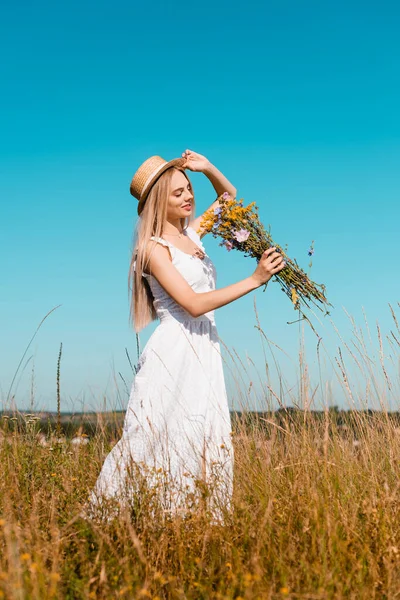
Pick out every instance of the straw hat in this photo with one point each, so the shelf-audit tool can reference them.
(148, 173)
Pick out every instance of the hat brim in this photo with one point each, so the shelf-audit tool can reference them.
(175, 162)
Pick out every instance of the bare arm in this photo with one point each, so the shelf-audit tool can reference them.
(220, 183)
(197, 304)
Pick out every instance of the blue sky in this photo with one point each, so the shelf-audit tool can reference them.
(297, 104)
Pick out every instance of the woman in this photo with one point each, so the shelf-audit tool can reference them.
(177, 431)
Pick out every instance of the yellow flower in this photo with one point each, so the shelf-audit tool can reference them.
(157, 575)
(247, 578)
(25, 556)
(295, 296)
(125, 589)
(284, 591)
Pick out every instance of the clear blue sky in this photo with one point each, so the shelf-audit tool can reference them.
(297, 103)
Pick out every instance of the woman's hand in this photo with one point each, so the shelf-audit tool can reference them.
(271, 262)
(195, 161)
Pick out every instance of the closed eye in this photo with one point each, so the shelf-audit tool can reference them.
(181, 190)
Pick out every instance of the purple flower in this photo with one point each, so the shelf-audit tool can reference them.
(218, 210)
(228, 245)
(241, 235)
(225, 195)
(310, 251)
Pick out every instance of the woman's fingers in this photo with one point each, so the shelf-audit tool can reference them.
(271, 255)
(278, 265)
(269, 251)
(278, 268)
(272, 261)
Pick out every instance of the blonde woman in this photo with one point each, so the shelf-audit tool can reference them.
(177, 430)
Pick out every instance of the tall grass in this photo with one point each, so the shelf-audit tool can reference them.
(315, 513)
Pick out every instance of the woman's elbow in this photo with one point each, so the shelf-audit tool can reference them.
(194, 309)
(193, 312)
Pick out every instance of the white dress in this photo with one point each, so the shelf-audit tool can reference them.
(177, 428)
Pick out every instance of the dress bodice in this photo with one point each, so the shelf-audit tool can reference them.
(199, 273)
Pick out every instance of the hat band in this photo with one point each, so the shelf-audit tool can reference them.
(152, 175)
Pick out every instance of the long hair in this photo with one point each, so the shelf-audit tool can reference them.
(150, 223)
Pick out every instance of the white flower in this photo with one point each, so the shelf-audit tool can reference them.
(241, 235)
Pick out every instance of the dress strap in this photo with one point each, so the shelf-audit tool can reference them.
(161, 241)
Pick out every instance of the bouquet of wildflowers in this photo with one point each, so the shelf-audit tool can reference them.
(239, 228)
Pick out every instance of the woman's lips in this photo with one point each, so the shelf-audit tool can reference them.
(187, 206)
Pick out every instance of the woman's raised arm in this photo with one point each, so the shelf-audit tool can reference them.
(198, 162)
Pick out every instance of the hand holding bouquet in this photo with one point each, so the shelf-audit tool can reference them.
(239, 228)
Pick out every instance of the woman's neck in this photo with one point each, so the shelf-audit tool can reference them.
(173, 228)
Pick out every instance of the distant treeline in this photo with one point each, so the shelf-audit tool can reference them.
(111, 423)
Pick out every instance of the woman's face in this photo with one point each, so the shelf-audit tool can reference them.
(181, 197)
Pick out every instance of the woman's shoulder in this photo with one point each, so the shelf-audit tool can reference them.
(166, 250)
(149, 249)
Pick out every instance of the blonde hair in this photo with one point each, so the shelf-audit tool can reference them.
(150, 223)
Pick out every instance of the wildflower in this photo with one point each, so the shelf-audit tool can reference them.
(228, 245)
(310, 251)
(241, 235)
(295, 296)
(76, 441)
(25, 556)
(233, 222)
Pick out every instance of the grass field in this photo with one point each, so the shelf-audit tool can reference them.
(316, 514)
(315, 511)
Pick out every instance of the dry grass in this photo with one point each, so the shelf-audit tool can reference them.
(315, 514)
